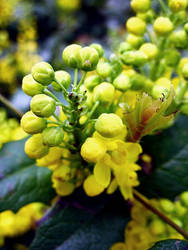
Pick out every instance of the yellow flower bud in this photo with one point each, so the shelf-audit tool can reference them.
(92, 187)
(185, 71)
(93, 149)
(134, 41)
(32, 124)
(63, 78)
(43, 105)
(140, 6)
(53, 156)
(92, 81)
(98, 48)
(150, 50)
(88, 58)
(71, 55)
(52, 136)
(104, 92)
(136, 26)
(162, 86)
(35, 148)
(109, 125)
(104, 69)
(63, 188)
(30, 86)
(43, 73)
(163, 26)
(122, 82)
(157, 227)
(177, 5)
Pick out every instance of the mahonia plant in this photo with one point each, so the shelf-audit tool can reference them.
(89, 133)
(91, 136)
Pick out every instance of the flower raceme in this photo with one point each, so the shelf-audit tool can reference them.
(91, 134)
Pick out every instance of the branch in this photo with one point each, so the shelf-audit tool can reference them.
(10, 106)
(146, 204)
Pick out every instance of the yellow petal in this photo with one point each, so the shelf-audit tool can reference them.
(134, 149)
(118, 246)
(126, 192)
(92, 187)
(112, 187)
(102, 173)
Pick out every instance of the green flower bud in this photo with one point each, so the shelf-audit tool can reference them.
(122, 82)
(63, 78)
(136, 26)
(179, 39)
(134, 41)
(43, 73)
(167, 205)
(104, 92)
(35, 148)
(52, 136)
(88, 58)
(185, 71)
(109, 125)
(140, 6)
(98, 48)
(71, 55)
(177, 5)
(124, 46)
(157, 227)
(136, 58)
(150, 50)
(147, 16)
(43, 105)
(32, 124)
(92, 81)
(137, 81)
(172, 57)
(186, 28)
(163, 26)
(104, 69)
(184, 198)
(162, 86)
(30, 86)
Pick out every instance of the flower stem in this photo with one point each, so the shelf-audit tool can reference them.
(10, 106)
(75, 78)
(139, 197)
(81, 81)
(163, 6)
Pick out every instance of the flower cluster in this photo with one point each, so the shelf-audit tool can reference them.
(10, 129)
(84, 140)
(15, 224)
(145, 228)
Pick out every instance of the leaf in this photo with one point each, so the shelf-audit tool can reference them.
(148, 116)
(170, 245)
(21, 181)
(76, 227)
(169, 151)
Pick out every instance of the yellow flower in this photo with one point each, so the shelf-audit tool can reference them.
(92, 187)
(93, 150)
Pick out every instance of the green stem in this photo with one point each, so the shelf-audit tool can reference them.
(163, 6)
(75, 78)
(57, 118)
(10, 106)
(53, 122)
(63, 88)
(47, 92)
(81, 81)
(68, 146)
(92, 111)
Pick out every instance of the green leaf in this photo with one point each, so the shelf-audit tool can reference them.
(21, 181)
(169, 151)
(170, 245)
(72, 227)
